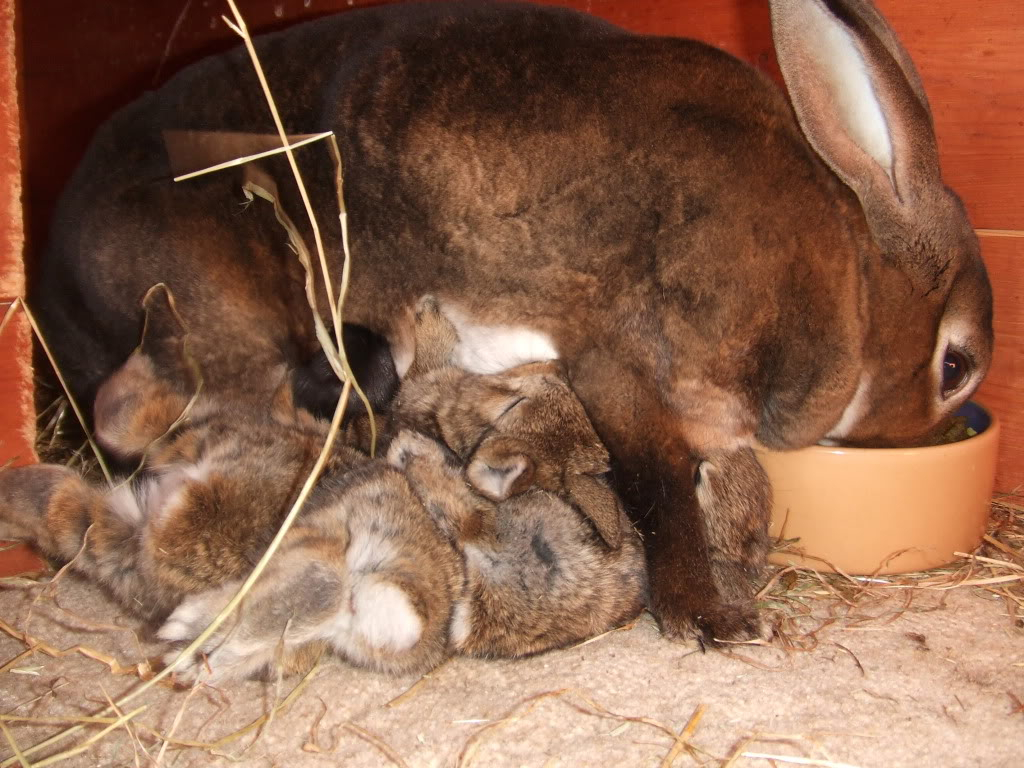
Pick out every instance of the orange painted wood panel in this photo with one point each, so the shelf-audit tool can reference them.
(17, 412)
(971, 60)
(11, 226)
(1002, 390)
(19, 560)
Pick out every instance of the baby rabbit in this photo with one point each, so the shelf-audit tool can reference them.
(738, 542)
(557, 561)
(513, 430)
(363, 571)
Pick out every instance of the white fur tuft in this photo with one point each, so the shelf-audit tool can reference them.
(182, 621)
(491, 349)
(125, 505)
(855, 411)
(384, 616)
(462, 623)
(704, 496)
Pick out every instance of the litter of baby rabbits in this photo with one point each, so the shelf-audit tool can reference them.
(805, 609)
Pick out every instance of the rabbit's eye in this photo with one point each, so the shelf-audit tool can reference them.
(512, 405)
(955, 368)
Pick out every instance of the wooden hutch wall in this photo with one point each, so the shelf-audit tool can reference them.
(80, 60)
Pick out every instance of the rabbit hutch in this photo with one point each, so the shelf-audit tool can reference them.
(65, 65)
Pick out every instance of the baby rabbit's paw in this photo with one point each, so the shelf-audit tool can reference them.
(228, 654)
(31, 497)
(409, 446)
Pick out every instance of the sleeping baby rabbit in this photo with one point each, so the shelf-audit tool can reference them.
(558, 560)
(363, 570)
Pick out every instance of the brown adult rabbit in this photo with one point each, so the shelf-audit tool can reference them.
(714, 267)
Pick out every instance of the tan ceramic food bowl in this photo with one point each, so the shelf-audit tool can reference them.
(892, 510)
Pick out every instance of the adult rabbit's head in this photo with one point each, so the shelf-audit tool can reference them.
(927, 299)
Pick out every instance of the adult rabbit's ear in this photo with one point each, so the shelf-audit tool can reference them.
(860, 104)
(859, 100)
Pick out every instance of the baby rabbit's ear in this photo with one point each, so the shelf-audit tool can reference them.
(164, 333)
(599, 504)
(283, 407)
(140, 401)
(500, 469)
(436, 338)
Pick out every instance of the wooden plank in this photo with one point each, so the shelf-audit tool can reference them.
(17, 411)
(1002, 391)
(19, 560)
(741, 27)
(969, 56)
(11, 227)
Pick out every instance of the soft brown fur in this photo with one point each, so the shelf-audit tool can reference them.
(735, 498)
(715, 267)
(514, 430)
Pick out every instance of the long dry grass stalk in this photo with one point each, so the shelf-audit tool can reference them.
(18, 754)
(240, 28)
(83, 746)
(683, 739)
(795, 760)
(35, 645)
(88, 720)
(12, 307)
(335, 305)
(287, 147)
(584, 704)
(67, 391)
